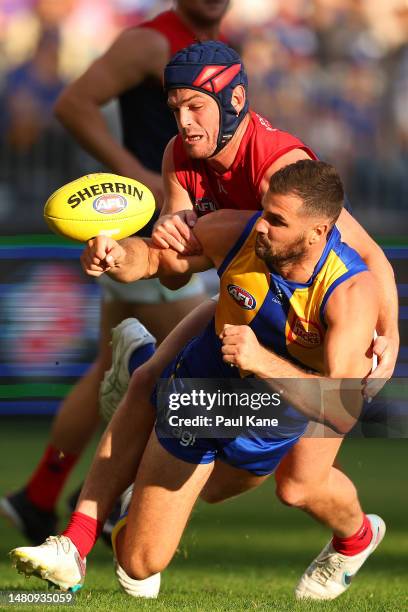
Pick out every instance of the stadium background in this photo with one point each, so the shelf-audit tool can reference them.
(335, 73)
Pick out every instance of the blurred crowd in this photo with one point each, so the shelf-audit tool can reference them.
(327, 71)
(334, 72)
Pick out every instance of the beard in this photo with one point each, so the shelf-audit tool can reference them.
(278, 257)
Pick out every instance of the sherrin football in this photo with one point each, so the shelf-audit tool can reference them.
(99, 204)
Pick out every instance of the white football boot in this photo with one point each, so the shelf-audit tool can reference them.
(128, 336)
(331, 573)
(149, 587)
(56, 560)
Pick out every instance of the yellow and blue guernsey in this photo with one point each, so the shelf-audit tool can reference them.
(286, 316)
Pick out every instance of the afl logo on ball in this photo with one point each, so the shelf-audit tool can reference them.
(109, 204)
(242, 297)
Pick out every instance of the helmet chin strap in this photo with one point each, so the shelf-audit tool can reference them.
(224, 139)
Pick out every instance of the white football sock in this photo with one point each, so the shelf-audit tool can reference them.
(149, 587)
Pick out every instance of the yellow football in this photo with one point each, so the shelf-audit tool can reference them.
(99, 204)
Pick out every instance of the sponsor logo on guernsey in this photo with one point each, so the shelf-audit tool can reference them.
(110, 204)
(243, 298)
(305, 333)
(265, 123)
(204, 205)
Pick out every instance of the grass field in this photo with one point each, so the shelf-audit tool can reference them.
(246, 554)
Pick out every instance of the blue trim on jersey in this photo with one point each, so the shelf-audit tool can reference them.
(272, 335)
(234, 250)
(334, 239)
(332, 287)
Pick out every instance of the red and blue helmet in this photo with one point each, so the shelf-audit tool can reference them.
(214, 69)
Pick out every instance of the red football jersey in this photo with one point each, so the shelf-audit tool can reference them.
(174, 30)
(239, 186)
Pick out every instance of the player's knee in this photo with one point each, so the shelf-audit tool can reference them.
(143, 380)
(140, 388)
(292, 493)
(144, 563)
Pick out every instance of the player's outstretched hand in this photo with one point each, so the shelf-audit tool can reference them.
(101, 254)
(240, 347)
(176, 231)
(386, 350)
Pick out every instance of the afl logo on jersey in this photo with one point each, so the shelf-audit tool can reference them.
(305, 333)
(109, 204)
(204, 205)
(242, 297)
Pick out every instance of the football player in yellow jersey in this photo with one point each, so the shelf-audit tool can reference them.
(293, 298)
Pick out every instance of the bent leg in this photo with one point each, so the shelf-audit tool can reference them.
(120, 449)
(227, 481)
(78, 416)
(122, 445)
(165, 491)
(306, 479)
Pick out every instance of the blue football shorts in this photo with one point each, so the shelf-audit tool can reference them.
(258, 455)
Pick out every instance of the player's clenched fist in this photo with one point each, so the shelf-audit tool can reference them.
(240, 347)
(101, 254)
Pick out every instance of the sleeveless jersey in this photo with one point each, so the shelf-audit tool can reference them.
(147, 123)
(239, 186)
(286, 316)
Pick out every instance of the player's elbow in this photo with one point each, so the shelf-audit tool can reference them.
(169, 266)
(66, 106)
(174, 282)
(62, 106)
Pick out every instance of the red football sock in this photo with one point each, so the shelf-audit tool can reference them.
(47, 481)
(83, 531)
(356, 543)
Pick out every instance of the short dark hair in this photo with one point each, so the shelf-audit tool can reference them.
(316, 183)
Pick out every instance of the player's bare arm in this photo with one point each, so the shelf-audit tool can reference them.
(135, 258)
(387, 344)
(135, 54)
(290, 157)
(174, 227)
(351, 314)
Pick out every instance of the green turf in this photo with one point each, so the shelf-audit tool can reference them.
(246, 554)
